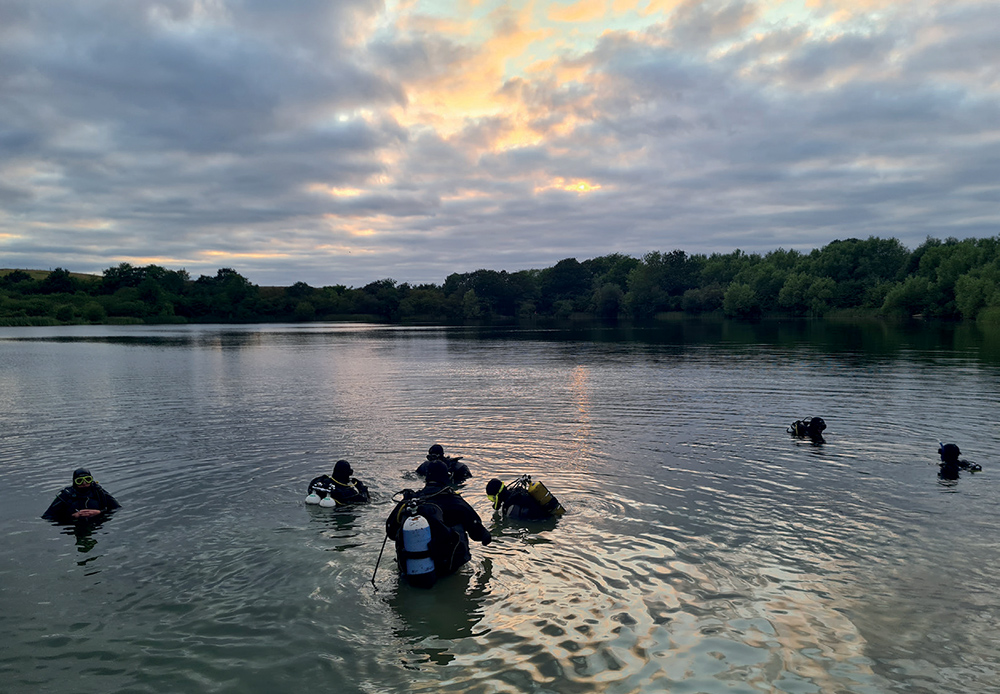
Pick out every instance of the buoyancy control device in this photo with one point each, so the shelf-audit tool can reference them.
(540, 493)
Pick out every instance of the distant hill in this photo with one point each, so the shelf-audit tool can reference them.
(42, 274)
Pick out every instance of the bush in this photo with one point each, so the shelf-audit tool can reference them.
(94, 312)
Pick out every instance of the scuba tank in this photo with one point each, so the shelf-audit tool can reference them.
(327, 501)
(543, 496)
(417, 565)
(313, 498)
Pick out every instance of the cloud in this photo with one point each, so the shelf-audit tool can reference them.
(582, 11)
(344, 142)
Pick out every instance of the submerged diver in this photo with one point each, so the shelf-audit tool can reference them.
(431, 529)
(84, 499)
(339, 490)
(813, 427)
(951, 464)
(457, 472)
(523, 500)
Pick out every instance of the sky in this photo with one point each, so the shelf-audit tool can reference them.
(347, 141)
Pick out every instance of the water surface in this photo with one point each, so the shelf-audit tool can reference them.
(704, 550)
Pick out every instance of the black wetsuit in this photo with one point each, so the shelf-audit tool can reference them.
(353, 491)
(73, 499)
(457, 471)
(812, 427)
(949, 468)
(452, 521)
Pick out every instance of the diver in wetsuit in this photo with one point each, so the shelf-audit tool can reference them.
(813, 427)
(450, 518)
(951, 464)
(517, 503)
(341, 487)
(457, 472)
(85, 499)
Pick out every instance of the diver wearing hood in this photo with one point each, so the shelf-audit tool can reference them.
(450, 522)
(84, 499)
(457, 472)
(341, 487)
(951, 464)
(813, 427)
(523, 500)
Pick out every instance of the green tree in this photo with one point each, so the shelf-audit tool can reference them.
(794, 293)
(703, 299)
(58, 281)
(977, 290)
(912, 296)
(740, 301)
(607, 301)
(471, 306)
(304, 311)
(122, 275)
(722, 269)
(567, 280)
(611, 269)
(17, 279)
(423, 303)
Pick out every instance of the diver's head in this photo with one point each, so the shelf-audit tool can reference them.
(435, 451)
(949, 452)
(493, 489)
(342, 471)
(437, 472)
(82, 478)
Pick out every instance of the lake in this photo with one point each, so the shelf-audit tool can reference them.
(704, 549)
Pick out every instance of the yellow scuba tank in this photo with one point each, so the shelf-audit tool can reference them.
(543, 496)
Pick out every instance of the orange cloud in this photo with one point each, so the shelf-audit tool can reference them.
(582, 11)
(448, 102)
(644, 8)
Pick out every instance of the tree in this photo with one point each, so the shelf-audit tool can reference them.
(567, 280)
(471, 306)
(977, 290)
(722, 269)
(58, 282)
(304, 311)
(607, 301)
(740, 301)
(910, 297)
(703, 299)
(14, 278)
(122, 275)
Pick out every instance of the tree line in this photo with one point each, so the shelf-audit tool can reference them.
(947, 279)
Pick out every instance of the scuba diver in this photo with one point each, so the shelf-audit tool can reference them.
(457, 472)
(85, 499)
(812, 427)
(951, 464)
(339, 490)
(523, 500)
(431, 529)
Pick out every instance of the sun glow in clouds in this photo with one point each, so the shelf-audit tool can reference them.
(335, 192)
(411, 128)
(576, 185)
